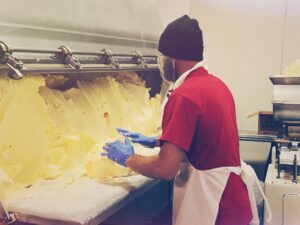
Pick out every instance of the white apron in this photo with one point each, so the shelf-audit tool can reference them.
(197, 193)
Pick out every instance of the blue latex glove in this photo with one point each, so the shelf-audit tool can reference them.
(118, 151)
(149, 142)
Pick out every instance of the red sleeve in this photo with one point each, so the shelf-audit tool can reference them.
(179, 122)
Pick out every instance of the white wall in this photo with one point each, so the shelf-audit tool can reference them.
(291, 47)
(172, 9)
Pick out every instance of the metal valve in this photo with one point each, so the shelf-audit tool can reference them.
(108, 59)
(138, 58)
(11, 62)
(4, 49)
(66, 56)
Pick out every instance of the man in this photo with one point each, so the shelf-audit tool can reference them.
(198, 126)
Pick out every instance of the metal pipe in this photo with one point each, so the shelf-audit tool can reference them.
(295, 164)
(88, 53)
(278, 167)
(76, 52)
(62, 61)
(68, 70)
(121, 54)
(150, 56)
(44, 51)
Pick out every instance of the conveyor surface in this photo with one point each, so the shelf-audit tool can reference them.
(74, 199)
(85, 201)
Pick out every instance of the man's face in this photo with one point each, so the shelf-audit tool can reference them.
(167, 68)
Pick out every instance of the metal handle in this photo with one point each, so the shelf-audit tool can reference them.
(295, 172)
(107, 55)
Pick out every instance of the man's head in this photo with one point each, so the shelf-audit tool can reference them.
(180, 41)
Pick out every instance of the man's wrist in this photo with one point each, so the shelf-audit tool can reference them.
(128, 161)
(157, 142)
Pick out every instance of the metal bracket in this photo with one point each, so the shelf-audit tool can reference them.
(278, 166)
(108, 58)
(66, 56)
(295, 169)
(7, 218)
(138, 58)
(14, 64)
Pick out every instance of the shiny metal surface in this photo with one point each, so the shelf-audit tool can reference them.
(89, 25)
(286, 97)
(285, 80)
(254, 136)
(121, 34)
(65, 69)
(286, 111)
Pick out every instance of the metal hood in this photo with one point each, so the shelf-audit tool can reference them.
(90, 25)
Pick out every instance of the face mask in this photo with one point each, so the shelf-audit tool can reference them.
(167, 68)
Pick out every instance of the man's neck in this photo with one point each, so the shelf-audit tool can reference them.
(183, 65)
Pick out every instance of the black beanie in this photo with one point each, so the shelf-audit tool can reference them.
(182, 39)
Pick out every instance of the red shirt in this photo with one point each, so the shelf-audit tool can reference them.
(200, 118)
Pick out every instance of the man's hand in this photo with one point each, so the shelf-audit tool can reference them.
(118, 151)
(149, 142)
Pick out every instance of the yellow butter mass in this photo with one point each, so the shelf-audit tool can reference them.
(100, 167)
(45, 132)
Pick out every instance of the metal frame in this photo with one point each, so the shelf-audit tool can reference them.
(5, 216)
(21, 61)
(278, 143)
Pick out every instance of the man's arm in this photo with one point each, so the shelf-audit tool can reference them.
(165, 165)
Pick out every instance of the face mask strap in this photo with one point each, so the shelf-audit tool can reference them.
(174, 72)
(164, 60)
(172, 87)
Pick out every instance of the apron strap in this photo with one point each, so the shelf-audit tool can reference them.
(250, 179)
(266, 201)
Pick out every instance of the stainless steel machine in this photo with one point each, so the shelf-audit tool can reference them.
(282, 181)
(286, 108)
(83, 39)
(282, 187)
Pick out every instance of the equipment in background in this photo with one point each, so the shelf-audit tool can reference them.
(286, 109)
(283, 193)
(281, 129)
(282, 186)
